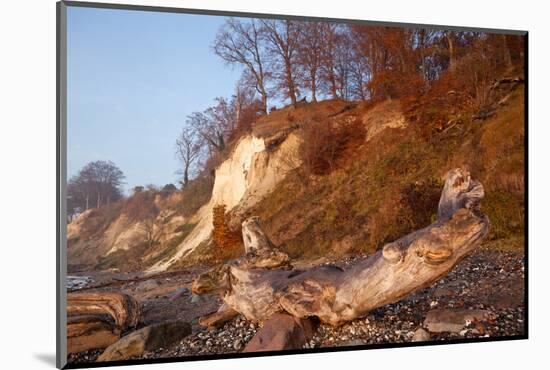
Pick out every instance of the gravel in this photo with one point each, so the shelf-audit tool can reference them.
(488, 280)
(232, 337)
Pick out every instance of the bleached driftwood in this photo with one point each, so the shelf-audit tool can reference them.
(253, 236)
(85, 332)
(258, 290)
(123, 309)
(96, 320)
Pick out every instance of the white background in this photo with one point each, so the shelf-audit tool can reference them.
(27, 185)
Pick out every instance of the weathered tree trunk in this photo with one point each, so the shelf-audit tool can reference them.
(313, 78)
(506, 52)
(452, 57)
(96, 320)
(123, 309)
(290, 83)
(85, 332)
(253, 236)
(186, 173)
(258, 290)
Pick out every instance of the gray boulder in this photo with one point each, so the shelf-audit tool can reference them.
(452, 320)
(149, 338)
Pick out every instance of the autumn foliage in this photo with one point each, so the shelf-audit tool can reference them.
(465, 89)
(228, 243)
(439, 76)
(325, 143)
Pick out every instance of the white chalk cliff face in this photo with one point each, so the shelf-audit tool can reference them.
(243, 179)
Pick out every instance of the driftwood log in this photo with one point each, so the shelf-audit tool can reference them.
(96, 320)
(121, 307)
(85, 332)
(263, 282)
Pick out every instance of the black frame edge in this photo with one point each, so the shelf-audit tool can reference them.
(61, 174)
(526, 184)
(238, 355)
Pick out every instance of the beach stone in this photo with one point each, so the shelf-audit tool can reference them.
(150, 338)
(281, 332)
(147, 285)
(179, 293)
(196, 298)
(351, 343)
(452, 320)
(421, 335)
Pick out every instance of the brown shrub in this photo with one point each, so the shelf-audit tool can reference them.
(248, 115)
(444, 101)
(291, 118)
(402, 211)
(460, 92)
(382, 226)
(325, 143)
(196, 194)
(141, 206)
(390, 84)
(419, 201)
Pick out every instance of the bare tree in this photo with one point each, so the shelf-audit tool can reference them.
(146, 211)
(341, 55)
(152, 231)
(188, 149)
(327, 75)
(247, 108)
(109, 179)
(239, 43)
(310, 52)
(214, 124)
(282, 44)
(450, 38)
(359, 71)
(96, 184)
(244, 97)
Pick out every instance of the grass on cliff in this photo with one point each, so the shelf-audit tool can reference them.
(391, 186)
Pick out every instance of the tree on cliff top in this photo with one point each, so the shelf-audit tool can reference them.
(188, 149)
(239, 43)
(96, 184)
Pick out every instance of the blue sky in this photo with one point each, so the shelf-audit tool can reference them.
(133, 77)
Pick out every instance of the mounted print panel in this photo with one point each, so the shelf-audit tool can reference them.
(241, 184)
